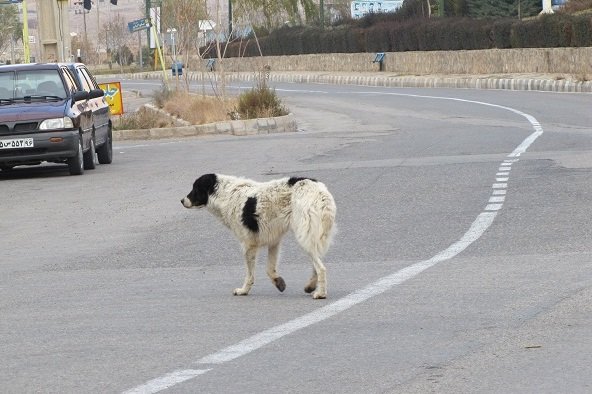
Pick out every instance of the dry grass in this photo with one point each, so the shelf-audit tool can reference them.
(141, 119)
(260, 102)
(197, 109)
(191, 108)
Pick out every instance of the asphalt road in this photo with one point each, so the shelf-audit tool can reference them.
(463, 261)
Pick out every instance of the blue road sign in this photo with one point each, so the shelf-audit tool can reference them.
(139, 24)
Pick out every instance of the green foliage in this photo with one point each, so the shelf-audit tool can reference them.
(10, 27)
(123, 56)
(474, 8)
(581, 31)
(390, 32)
(260, 102)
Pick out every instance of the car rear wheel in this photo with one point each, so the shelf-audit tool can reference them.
(105, 151)
(76, 163)
(89, 156)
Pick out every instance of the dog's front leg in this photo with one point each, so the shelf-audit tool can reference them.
(250, 258)
(272, 258)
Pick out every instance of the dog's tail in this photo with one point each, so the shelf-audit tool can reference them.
(313, 216)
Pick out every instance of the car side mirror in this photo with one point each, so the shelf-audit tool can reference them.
(95, 93)
(79, 96)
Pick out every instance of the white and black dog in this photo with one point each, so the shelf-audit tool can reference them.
(260, 213)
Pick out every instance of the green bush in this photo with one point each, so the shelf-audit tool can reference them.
(391, 32)
(501, 32)
(582, 31)
(259, 102)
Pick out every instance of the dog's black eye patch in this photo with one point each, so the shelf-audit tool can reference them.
(203, 187)
(206, 183)
(293, 180)
(249, 217)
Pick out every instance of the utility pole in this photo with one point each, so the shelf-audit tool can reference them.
(229, 19)
(54, 30)
(148, 7)
(26, 49)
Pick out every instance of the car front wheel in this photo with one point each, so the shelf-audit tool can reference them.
(76, 163)
(105, 151)
(89, 156)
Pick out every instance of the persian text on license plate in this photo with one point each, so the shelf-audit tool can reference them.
(16, 143)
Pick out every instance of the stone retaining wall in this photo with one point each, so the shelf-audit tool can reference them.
(576, 61)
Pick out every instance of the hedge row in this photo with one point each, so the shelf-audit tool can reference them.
(557, 30)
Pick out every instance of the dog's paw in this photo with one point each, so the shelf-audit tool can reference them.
(280, 283)
(240, 292)
(318, 295)
(309, 289)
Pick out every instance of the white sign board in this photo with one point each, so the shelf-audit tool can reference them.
(361, 8)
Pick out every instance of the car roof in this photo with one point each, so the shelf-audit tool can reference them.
(37, 66)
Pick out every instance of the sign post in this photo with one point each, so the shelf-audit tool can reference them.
(138, 26)
(145, 23)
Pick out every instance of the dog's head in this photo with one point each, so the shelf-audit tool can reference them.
(203, 187)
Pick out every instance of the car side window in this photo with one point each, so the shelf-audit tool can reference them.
(69, 79)
(86, 86)
(91, 80)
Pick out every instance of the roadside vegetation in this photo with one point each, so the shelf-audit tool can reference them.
(196, 109)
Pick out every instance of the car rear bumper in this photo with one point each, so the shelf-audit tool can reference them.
(54, 146)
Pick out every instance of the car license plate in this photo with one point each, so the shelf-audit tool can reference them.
(16, 143)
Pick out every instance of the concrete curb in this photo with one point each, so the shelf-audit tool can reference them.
(288, 123)
(281, 124)
(503, 82)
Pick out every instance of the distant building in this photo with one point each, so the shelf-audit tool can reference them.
(361, 8)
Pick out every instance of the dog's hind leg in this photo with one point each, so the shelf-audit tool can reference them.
(272, 258)
(312, 283)
(250, 259)
(321, 273)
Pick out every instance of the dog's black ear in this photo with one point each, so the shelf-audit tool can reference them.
(203, 188)
(206, 183)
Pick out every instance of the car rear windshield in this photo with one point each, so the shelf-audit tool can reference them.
(23, 84)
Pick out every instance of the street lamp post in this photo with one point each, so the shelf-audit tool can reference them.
(229, 19)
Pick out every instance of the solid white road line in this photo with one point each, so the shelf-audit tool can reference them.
(478, 227)
(166, 381)
(263, 338)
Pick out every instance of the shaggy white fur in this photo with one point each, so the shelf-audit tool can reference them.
(260, 214)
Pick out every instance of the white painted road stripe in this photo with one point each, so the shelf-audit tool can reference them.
(166, 381)
(479, 226)
(257, 341)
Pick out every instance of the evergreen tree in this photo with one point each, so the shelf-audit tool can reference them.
(503, 8)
